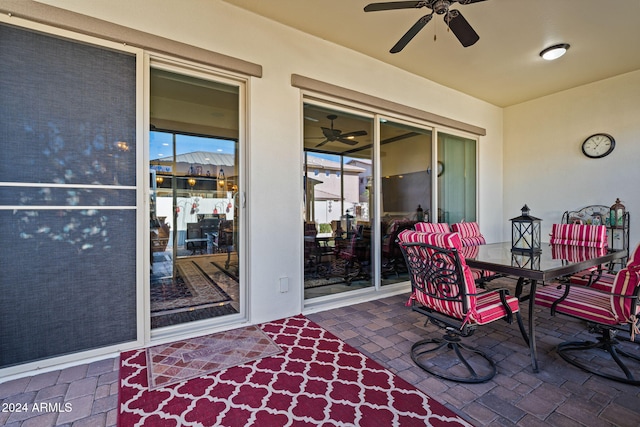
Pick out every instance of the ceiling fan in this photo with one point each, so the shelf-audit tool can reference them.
(453, 18)
(331, 134)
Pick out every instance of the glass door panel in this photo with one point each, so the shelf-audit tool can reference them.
(457, 182)
(194, 163)
(405, 161)
(338, 215)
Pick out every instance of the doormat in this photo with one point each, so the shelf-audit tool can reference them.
(183, 360)
(318, 379)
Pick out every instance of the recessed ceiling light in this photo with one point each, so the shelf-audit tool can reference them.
(554, 52)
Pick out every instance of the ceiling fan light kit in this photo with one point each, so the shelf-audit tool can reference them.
(457, 23)
(555, 51)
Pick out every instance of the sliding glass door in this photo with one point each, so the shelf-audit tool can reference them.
(353, 213)
(457, 183)
(194, 186)
(406, 193)
(338, 216)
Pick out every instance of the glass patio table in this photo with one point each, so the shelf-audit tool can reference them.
(552, 262)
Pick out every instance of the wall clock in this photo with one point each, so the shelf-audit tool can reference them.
(598, 145)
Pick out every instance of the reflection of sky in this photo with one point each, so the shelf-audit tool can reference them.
(332, 157)
(160, 145)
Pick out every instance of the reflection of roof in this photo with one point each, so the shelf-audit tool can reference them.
(323, 195)
(201, 158)
(366, 162)
(314, 162)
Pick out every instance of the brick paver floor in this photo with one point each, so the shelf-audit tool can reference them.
(560, 395)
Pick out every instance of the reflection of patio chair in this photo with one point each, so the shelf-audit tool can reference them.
(606, 312)
(394, 262)
(195, 240)
(350, 260)
(310, 233)
(225, 239)
(443, 289)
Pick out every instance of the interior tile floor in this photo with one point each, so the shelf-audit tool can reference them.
(560, 395)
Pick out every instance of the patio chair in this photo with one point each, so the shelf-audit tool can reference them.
(469, 233)
(432, 227)
(607, 312)
(581, 235)
(471, 237)
(443, 289)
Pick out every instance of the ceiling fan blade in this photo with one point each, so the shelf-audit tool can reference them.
(469, 1)
(411, 33)
(348, 141)
(461, 28)
(354, 134)
(391, 5)
(322, 143)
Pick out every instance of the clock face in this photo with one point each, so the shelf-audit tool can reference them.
(598, 145)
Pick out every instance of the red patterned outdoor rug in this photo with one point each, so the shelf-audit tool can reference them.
(317, 380)
(168, 364)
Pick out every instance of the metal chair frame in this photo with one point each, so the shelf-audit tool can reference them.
(441, 278)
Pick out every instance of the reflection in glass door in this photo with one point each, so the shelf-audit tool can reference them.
(194, 180)
(406, 193)
(338, 215)
(457, 183)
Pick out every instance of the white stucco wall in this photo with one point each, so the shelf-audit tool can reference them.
(275, 121)
(543, 161)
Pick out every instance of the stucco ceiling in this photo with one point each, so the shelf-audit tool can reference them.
(504, 66)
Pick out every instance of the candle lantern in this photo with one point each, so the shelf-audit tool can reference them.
(616, 214)
(525, 232)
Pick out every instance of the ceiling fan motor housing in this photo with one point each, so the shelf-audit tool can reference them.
(441, 6)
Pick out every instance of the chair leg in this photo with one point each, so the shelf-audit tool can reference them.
(479, 367)
(608, 343)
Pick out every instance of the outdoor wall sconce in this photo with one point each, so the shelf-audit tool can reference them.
(221, 178)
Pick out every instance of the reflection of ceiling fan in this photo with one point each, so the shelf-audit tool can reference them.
(454, 19)
(331, 134)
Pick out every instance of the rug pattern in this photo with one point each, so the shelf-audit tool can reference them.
(178, 361)
(200, 288)
(317, 380)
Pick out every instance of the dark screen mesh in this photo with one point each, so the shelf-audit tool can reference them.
(68, 253)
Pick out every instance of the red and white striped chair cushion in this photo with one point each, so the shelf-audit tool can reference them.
(469, 233)
(483, 308)
(609, 308)
(634, 259)
(579, 235)
(604, 282)
(582, 302)
(429, 227)
(490, 308)
(626, 283)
